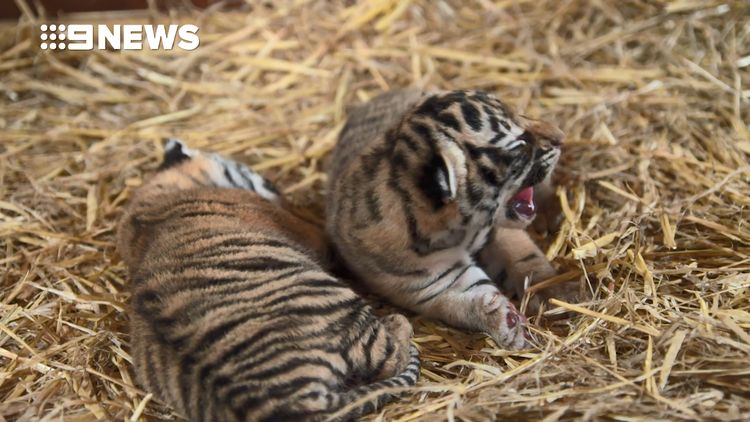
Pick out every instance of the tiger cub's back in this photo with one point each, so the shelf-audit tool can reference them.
(232, 315)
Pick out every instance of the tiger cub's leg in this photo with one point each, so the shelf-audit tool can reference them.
(511, 256)
(549, 212)
(383, 349)
(465, 296)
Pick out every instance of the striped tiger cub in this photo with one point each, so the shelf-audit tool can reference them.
(233, 317)
(428, 197)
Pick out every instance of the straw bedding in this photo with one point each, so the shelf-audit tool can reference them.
(653, 96)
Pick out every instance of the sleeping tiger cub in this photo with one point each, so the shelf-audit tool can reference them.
(428, 197)
(233, 317)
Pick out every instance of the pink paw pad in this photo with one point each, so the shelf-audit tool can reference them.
(511, 320)
(514, 317)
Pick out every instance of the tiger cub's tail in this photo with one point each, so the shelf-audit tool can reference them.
(361, 400)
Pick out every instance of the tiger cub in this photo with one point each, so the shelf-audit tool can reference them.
(428, 196)
(233, 317)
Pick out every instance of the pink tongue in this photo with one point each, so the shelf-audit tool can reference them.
(523, 202)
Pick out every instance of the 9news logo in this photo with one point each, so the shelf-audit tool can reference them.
(118, 37)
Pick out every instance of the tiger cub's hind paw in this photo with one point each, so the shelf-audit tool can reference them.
(400, 330)
(398, 326)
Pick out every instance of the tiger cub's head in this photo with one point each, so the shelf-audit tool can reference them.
(184, 168)
(477, 152)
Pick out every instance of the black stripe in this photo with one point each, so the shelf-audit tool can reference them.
(435, 104)
(245, 176)
(367, 348)
(200, 234)
(200, 282)
(231, 180)
(173, 208)
(240, 243)
(371, 162)
(472, 248)
(488, 175)
(494, 121)
(373, 205)
(481, 282)
(475, 152)
(269, 186)
(237, 251)
(454, 267)
(263, 263)
(151, 370)
(471, 116)
(423, 131)
(173, 156)
(411, 142)
(503, 276)
(312, 295)
(210, 213)
(288, 388)
(528, 257)
(399, 160)
(146, 300)
(497, 138)
(360, 325)
(436, 294)
(476, 193)
(505, 125)
(385, 357)
(448, 119)
(406, 206)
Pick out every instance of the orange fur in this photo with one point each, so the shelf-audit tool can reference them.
(233, 316)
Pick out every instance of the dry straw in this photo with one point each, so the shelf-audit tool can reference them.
(652, 94)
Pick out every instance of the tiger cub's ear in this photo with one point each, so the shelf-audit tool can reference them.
(438, 180)
(175, 152)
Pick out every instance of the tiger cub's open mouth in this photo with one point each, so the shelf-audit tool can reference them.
(522, 203)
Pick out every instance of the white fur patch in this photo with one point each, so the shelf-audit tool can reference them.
(241, 177)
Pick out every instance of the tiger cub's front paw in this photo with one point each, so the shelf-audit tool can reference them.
(502, 321)
(566, 292)
(549, 214)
